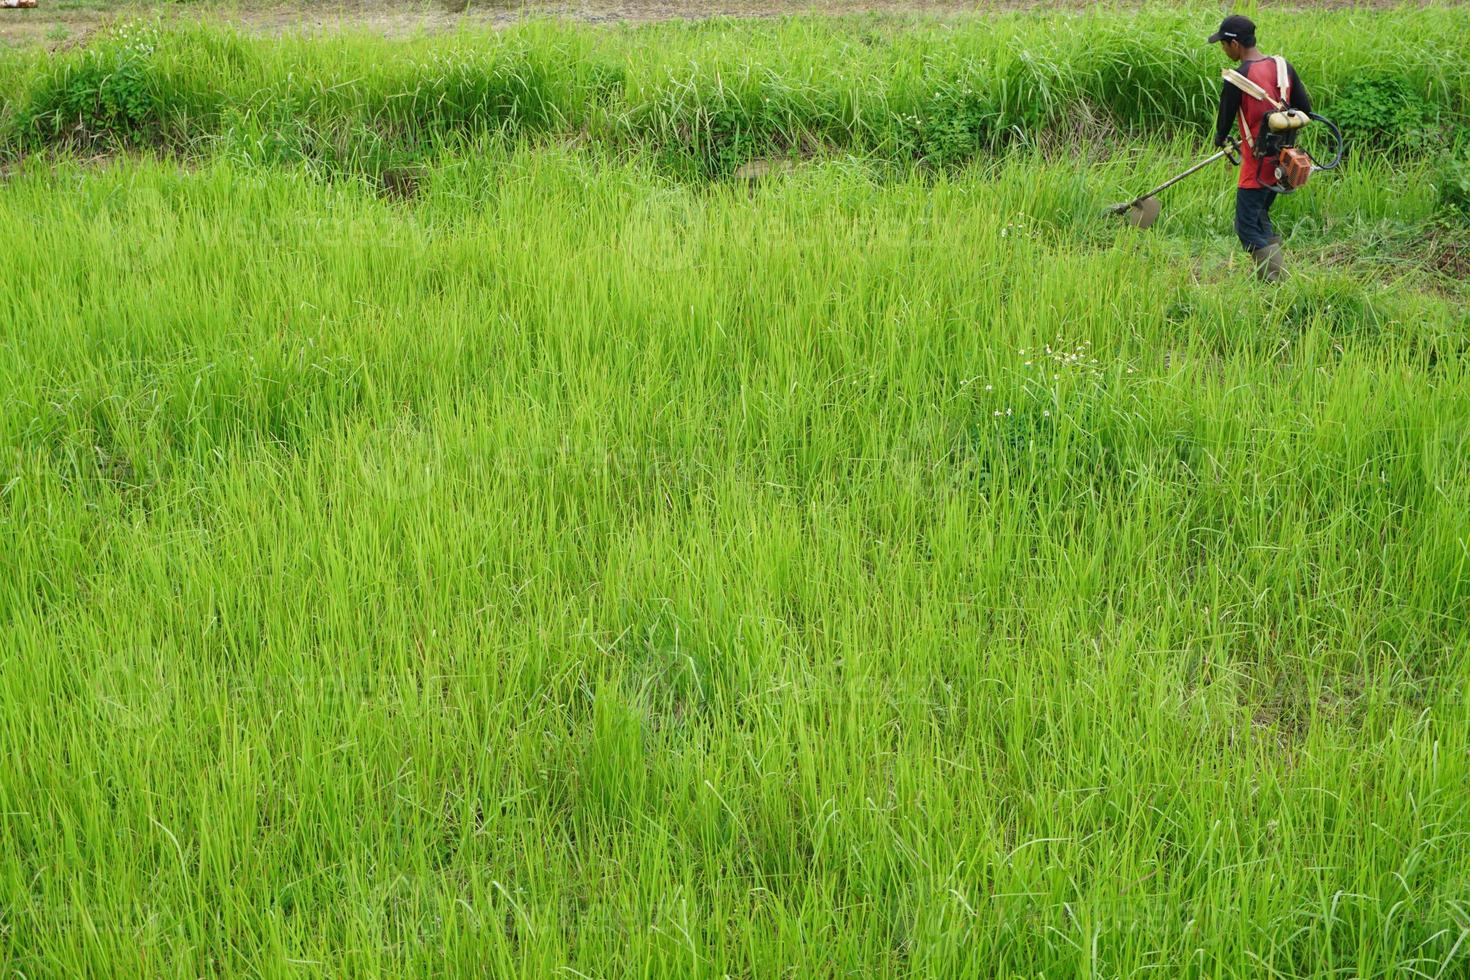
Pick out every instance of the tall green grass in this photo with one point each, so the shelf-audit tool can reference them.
(711, 97)
(578, 572)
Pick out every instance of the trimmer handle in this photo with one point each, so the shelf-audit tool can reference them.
(1232, 150)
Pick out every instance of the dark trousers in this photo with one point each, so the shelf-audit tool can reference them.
(1253, 217)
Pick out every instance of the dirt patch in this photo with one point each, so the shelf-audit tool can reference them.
(400, 183)
(1451, 257)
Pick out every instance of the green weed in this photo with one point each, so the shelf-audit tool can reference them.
(1382, 111)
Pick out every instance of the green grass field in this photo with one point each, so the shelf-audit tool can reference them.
(460, 530)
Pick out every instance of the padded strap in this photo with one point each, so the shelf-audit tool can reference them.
(1248, 87)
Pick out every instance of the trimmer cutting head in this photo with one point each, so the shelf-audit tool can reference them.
(1143, 212)
(1140, 213)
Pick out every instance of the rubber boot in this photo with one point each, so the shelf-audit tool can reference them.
(1270, 263)
(1276, 261)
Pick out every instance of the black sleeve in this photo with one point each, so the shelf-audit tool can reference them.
(1299, 97)
(1229, 107)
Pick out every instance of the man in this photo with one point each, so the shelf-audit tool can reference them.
(1253, 196)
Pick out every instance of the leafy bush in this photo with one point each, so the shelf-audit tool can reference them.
(950, 127)
(107, 95)
(133, 86)
(1383, 112)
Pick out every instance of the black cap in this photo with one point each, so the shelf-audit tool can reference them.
(1234, 28)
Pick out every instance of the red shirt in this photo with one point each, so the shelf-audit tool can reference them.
(1252, 111)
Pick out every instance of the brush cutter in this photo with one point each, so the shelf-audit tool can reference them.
(1144, 211)
(1284, 165)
